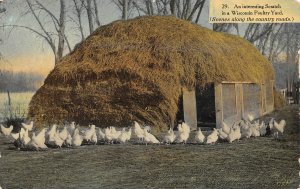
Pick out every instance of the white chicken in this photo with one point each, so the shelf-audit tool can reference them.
(139, 132)
(183, 133)
(149, 138)
(94, 138)
(64, 133)
(6, 131)
(77, 138)
(225, 128)
(125, 135)
(254, 132)
(279, 127)
(235, 134)
(25, 138)
(199, 136)
(15, 136)
(50, 135)
(71, 128)
(222, 134)
(57, 140)
(170, 136)
(245, 129)
(29, 126)
(213, 137)
(69, 140)
(115, 134)
(108, 134)
(38, 140)
(89, 133)
(101, 135)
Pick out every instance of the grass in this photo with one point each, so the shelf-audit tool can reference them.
(253, 163)
(20, 102)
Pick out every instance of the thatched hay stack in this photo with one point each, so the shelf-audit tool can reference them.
(134, 70)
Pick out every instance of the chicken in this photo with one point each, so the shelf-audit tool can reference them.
(19, 135)
(183, 133)
(25, 139)
(245, 129)
(89, 133)
(139, 132)
(50, 135)
(57, 140)
(108, 134)
(64, 133)
(94, 138)
(279, 127)
(170, 136)
(6, 131)
(77, 138)
(250, 116)
(235, 134)
(199, 136)
(15, 136)
(38, 141)
(254, 132)
(69, 140)
(263, 129)
(125, 135)
(225, 128)
(71, 128)
(213, 137)
(149, 138)
(115, 134)
(28, 127)
(222, 134)
(101, 135)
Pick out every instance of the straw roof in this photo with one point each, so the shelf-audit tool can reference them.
(135, 69)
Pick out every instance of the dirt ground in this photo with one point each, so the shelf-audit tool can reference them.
(251, 163)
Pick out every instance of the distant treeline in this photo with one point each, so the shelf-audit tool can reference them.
(282, 70)
(19, 81)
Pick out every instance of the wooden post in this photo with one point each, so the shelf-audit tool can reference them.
(263, 106)
(218, 105)
(190, 108)
(9, 104)
(273, 100)
(239, 101)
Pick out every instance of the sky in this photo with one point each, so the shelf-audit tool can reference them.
(26, 51)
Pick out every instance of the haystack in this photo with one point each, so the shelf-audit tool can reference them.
(135, 70)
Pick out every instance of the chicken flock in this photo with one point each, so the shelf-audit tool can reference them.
(72, 136)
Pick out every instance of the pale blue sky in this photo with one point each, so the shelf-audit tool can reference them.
(25, 50)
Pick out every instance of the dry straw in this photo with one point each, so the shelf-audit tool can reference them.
(135, 69)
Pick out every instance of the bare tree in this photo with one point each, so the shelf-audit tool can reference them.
(96, 13)
(35, 9)
(125, 6)
(78, 6)
(255, 31)
(183, 9)
(90, 15)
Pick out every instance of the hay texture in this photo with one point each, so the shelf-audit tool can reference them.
(135, 70)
